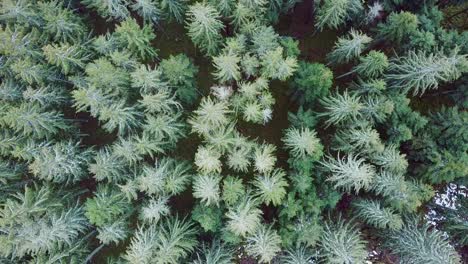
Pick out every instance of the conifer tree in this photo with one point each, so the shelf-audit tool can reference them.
(204, 27)
(349, 47)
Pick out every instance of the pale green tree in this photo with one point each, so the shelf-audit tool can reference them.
(349, 47)
(350, 173)
(265, 244)
(204, 27)
(341, 243)
(419, 71)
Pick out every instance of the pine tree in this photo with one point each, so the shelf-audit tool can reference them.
(274, 66)
(216, 253)
(233, 190)
(372, 65)
(227, 67)
(180, 74)
(264, 243)
(107, 166)
(298, 255)
(204, 27)
(342, 243)
(373, 213)
(65, 56)
(31, 119)
(174, 9)
(313, 80)
(168, 242)
(120, 117)
(114, 232)
(349, 47)
(303, 143)
(264, 158)
(147, 80)
(418, 244)
(333, 13)
(115, 9)
(162, 101)
(137, 40)
(61, 23)
(106, 206)
(398, 27)
(206, 188)
(271, 187)
(340, 108)
(208, 160)
(149, 10)
(244, 218)
(419, 71)
(350, 173)
(154, 210)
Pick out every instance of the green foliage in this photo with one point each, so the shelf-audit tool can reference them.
(227, 67)
(138, 40)
(65, 56)
(38, 222)
(216, 253)
(244, 218)
(350, 173)
(418, 244)
(372, 65)
(115, 9)
(271, 187)
(399, 26)
(340, 108)
(174, 9)
(277, 67)
(106, 206)
(349, 47)
(303, 143)
(313, 80)
(333, 13)
(264, 244)
(209, 217)
(154, 210)
(62, 162)
(147, 79)
(165, 243)
(298, 255)
(233, 190)
(342, 243)
(419, 71)
(149, 10)
(374, 214)
(204, 27)
(33, 120)
(206, 188)
(180, 74)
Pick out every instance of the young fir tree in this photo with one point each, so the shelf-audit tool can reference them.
(204, 27)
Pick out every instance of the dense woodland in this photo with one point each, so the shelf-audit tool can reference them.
(234, 131)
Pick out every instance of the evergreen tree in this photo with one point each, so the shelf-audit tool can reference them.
(419, 71)
(180, 74)
(332, 14)
(349, 47)
(417, 244)
(372, 65)
(399, 26)
(313, 80)
(204, 27)
(137, 40)
(351, 173)
(62, 162)
(264, 244)
(271, 187)
(342, 243)
(206, 188)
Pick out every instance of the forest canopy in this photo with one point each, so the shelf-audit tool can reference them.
(233, 131)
